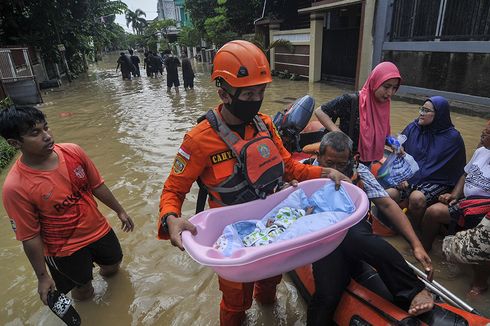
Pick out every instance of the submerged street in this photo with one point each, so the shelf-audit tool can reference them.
(132, 130)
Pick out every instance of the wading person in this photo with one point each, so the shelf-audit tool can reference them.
(135, 60)
(171, 63)
(241, 73)
(365, 115)
(126, 66)
(332, 273)
(187, 73)
(49, 197)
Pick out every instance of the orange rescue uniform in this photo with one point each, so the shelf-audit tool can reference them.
(204, 155)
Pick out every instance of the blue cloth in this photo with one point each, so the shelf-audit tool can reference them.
(437, 148)
(329, 207)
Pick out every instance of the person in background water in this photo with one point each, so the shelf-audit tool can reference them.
(150, 70)
(467, 207)
(333, 273)
(171, 63)
(365, 115)
(439, 150)
(49, 197)
(187, 73)
(135, 60)
(126, 66)
(156, 62)
(241, 73)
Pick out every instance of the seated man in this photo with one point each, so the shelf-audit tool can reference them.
(333, 273)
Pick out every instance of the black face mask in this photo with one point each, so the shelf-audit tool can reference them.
(243, 110)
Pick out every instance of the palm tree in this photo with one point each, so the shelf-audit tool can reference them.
(137, 22)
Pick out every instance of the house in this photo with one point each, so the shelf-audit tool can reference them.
(441, 47)
(17, 76)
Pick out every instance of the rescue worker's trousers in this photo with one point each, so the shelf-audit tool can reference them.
(237, 298)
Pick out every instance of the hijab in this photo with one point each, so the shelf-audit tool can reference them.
(438, 147)
(374, 117)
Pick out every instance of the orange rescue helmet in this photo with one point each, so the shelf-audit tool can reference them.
(241, 64)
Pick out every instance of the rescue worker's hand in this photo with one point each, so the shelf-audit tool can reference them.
(421, 255)
(176, 226)
(292, 183)
(127, 224)
(335, 175)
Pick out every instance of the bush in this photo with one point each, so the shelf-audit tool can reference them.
(7, 152)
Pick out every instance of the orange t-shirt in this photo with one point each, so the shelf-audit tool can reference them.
(57, 204)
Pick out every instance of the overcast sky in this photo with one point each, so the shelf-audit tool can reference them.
(148, 6)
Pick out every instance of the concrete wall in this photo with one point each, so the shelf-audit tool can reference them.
(467, 73)
(366, 46)
(296, 61)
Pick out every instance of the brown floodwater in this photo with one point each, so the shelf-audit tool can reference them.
(132, 130)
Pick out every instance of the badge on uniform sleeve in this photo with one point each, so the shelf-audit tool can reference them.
(179, 164)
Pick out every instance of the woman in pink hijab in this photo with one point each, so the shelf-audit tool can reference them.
(365, 115)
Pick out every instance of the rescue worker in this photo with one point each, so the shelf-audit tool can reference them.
(238, 156)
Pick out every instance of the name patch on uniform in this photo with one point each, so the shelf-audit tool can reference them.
(221, 157)
(179, 164)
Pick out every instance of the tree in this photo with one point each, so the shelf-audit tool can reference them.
(82, 26)
(162, 27)
(259, 41)
(199, 10)
(238, 14)
(218, 28)
(137, 22)
(189, 36)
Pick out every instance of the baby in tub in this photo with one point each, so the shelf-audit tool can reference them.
(253, 233)
(295, 216)
(275, 226)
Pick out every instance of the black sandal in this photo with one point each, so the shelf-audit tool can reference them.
(61, 305)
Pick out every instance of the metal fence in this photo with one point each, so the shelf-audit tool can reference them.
(446, 20)
(15, 64)
(17, 79)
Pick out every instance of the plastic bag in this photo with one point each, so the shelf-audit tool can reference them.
(396, 142)
(396, 168)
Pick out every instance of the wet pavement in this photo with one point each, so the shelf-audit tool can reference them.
(132, 130)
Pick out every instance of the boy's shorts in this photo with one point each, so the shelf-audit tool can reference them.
(431, 192)
(76, 270)
(470, 246)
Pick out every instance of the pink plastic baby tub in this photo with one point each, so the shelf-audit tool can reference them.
(256, 263)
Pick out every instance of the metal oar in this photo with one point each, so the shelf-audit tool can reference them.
(444, 293)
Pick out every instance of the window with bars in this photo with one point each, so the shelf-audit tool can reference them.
(445, 20)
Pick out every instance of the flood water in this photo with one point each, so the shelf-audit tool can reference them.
(132, 130)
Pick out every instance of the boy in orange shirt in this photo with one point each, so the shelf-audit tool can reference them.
(49, 197)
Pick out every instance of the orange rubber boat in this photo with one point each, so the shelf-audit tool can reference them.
(363, 306)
